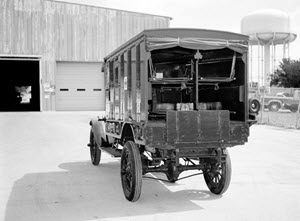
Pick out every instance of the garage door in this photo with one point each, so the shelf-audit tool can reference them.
(79, 86)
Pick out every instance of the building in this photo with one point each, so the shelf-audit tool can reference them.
(51, 52)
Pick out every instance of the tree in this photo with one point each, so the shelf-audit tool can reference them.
(287, 75)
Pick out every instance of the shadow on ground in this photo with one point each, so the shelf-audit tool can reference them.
(82, 191)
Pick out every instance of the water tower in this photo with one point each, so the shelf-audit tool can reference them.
(267, 28)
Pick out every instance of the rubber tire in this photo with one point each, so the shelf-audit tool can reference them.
(95, 151)
(274, 107)
(225, 177)
(294, 110)
(256, 105)
(131, 178)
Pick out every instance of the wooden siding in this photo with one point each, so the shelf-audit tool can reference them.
(90, 33)
(72, 32)
(20, 27)
(58, 31)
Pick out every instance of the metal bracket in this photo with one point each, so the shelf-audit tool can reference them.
(219, 155)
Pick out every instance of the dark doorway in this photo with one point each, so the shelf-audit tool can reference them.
(20, 85)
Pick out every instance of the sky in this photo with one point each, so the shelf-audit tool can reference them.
(223, 15)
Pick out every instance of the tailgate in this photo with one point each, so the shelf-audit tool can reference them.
(198, 126)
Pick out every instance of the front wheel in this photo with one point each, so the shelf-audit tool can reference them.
(95, 151)
(131, 171)
(218, 176)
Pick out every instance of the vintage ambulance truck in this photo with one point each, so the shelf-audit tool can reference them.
(176, 99)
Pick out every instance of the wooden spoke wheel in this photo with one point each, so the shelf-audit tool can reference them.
(95, 151)
(217, 177)
(131, 171)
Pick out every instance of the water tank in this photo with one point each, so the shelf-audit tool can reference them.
(268, 26)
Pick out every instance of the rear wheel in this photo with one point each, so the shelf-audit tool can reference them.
(131, 171)
(218, 176)
(95, 151)
(294, 110)
(274, 107)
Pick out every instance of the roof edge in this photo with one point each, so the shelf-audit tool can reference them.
(148, 32)
(197, 29)
(114, 9)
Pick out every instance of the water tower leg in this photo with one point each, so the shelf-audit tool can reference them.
(284, 49)
(250, 66)
(267, 57)
(258, 65)
(274, 59)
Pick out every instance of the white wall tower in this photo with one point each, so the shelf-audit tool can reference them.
(266, 28)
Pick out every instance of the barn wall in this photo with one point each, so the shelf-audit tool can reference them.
(20, 26)
(57, 31)
(89, 33)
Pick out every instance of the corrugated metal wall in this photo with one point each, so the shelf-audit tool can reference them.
(58, 31)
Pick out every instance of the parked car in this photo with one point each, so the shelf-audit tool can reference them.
(282, 100)
(283, 94)
(292, 103)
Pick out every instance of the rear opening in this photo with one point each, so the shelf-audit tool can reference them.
(190, 80)
(20, 88)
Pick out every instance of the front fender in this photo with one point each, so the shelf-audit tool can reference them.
(98, 129)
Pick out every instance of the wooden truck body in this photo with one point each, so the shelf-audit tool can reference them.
(175, 100)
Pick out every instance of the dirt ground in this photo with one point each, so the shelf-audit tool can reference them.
(46, 174)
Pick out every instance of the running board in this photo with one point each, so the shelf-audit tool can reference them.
(112, 151)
